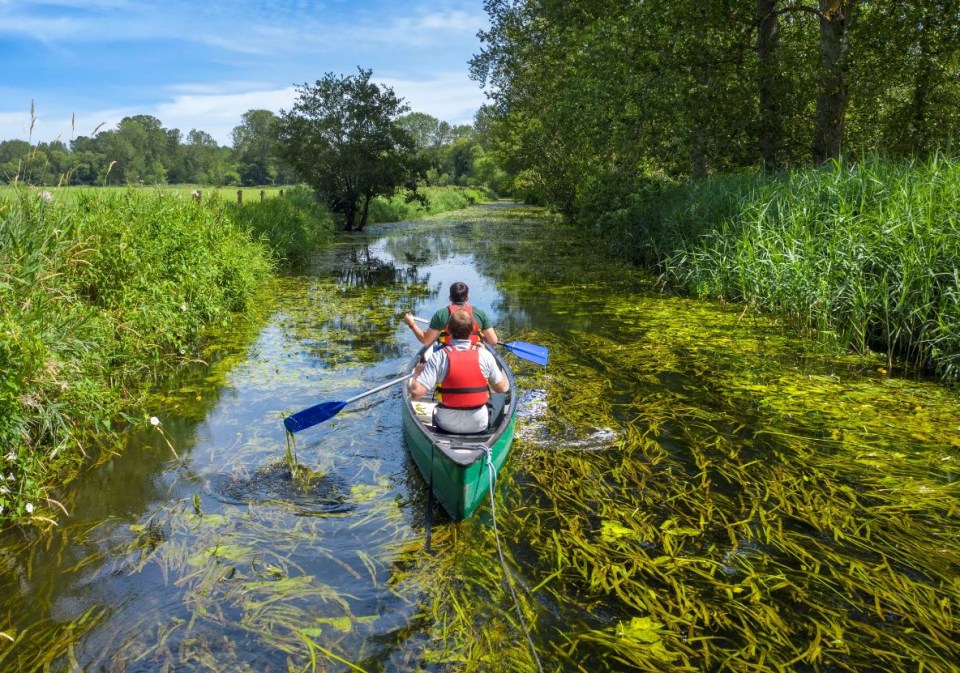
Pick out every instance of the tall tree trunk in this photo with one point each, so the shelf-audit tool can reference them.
(366, 209)
(699, 158)
(919, 126)
(349, 217)
(769, 85)
(832, 98)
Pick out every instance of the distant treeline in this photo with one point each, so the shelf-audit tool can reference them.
(141, 151)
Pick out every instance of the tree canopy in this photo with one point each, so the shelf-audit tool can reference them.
(343, 139)
(587, 95)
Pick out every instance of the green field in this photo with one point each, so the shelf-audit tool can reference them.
(226, 193)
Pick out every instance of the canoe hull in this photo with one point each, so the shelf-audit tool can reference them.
(456, 467)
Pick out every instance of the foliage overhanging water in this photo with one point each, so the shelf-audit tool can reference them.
(692, 489)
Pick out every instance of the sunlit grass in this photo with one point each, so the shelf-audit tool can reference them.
(862, 254)
(98, 296)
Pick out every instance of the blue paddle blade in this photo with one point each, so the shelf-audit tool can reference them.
(318, 413)
(532, 352)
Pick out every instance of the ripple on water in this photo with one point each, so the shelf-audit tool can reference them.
(310, 493)
(533, 408)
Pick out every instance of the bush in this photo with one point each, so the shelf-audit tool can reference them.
(292, 226)
(436, 200)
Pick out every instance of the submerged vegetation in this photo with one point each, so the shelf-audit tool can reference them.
(692, 488)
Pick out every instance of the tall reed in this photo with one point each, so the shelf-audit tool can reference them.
(864, 254)
(97, 295)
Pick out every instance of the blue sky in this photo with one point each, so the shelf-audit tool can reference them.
(202, 64)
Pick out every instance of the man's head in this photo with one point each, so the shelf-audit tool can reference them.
(461, 324)
(458, 292)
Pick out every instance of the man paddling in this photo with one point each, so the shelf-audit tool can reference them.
(463, 374)
(459, 296)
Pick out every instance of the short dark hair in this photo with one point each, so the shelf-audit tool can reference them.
(461, 324)
(458, 292)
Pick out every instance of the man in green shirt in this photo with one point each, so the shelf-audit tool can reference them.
(459, 296)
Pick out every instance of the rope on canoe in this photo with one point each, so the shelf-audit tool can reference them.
(503, 562)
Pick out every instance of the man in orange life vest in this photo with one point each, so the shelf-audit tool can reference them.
(459, 294)
(466, 373)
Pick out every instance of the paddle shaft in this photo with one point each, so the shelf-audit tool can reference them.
(379, 388)
(531, 352)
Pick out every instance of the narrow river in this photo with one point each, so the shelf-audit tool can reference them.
(692, 488)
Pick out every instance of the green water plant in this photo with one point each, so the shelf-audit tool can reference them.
(860, 255)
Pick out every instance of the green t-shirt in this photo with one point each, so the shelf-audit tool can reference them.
(442, 317)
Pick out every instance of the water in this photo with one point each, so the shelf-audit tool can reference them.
(691, 485)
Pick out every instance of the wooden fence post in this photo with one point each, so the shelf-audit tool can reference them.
(263, 196)
(240, 197)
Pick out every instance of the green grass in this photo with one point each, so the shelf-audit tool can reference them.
(98, 294)
(863, 254)
(437, 200)
(249, 194)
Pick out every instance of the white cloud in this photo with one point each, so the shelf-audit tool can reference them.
(218, 114)
(451, 97)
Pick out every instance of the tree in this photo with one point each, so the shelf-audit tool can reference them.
(255, 146)
(835, 17)
(201, 158)
(343, 139)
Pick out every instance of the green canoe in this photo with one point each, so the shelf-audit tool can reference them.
(455, 466)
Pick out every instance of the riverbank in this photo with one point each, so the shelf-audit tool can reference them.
(104, 291)
(862, 255)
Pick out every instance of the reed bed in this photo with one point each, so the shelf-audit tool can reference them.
(860, 254)
(98, 296)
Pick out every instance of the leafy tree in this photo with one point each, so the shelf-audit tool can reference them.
(139, 148)
(255, 146)
(201, 159)
(432, 138)
(175, 158)
(343, 139)
(14, 155)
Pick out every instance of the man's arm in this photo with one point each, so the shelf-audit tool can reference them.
(417, 389)
(496, 379)
(487, 333)
(501, 386)
(427, 336)
(427, 375)
(490, 336)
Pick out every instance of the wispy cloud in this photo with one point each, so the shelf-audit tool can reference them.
(203, 64)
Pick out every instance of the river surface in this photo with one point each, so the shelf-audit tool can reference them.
(692, 488)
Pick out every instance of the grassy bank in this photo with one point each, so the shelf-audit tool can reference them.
(863, 254)
(436, 200)
(102, 291)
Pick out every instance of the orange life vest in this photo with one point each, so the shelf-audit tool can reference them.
(464, 386)
(445, 337)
